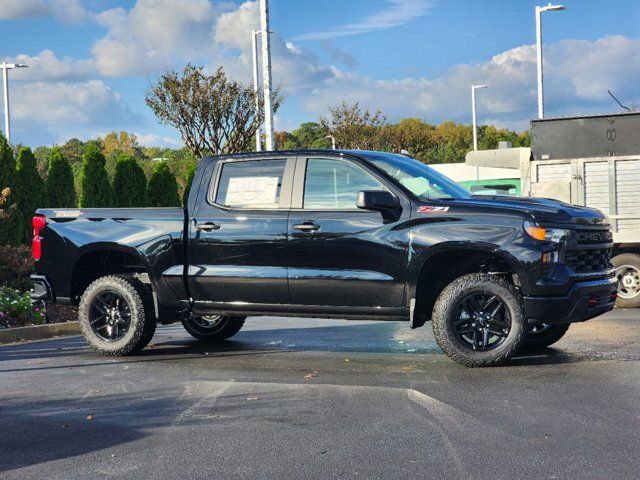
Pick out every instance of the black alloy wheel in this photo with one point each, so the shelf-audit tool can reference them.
(110, 316)
(478, 320)
(482, 322)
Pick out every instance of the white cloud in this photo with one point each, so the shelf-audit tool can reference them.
(153, 140)
(295, 70)
(67, 11)
(46, 66)
(63, 109)
(399, 12)
(153, 35)
(14, 9)
(577, 76)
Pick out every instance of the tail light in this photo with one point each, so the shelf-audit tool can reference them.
(38, 222)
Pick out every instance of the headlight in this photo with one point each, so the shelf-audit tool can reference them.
(549, 234)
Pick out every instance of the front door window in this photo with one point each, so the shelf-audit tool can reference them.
(334, 184)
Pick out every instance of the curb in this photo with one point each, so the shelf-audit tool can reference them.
(39, 332)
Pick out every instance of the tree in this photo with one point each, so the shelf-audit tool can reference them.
(96, 189)
(411, 134)
(11, 221)
(7, 163)
(117, 143)
(213, 114)
(353, 128)
(11, 225)
(163, 188)
(309, 135)
(42, 155)
(129, 183)
(30, 190)
(60, 189)
(191, 173)
(73, 150)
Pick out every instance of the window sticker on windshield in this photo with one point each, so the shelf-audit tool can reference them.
(252, 191)
(429, 209)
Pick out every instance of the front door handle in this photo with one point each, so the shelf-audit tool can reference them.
(207, 226)
(307, 227)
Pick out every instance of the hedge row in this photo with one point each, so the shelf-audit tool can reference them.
(28, 191)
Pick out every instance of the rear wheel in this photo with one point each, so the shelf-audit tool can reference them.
(543, 335)
(628, 273)
(116, 315)
(478, 320)
(213, 328)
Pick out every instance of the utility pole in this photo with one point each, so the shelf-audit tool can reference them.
(256, 86)
(473, 114)
(5, 77)
(333, 141)
(266, 74)
(539, 11)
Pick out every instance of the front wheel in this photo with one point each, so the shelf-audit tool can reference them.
(478, 320)
(213, 328)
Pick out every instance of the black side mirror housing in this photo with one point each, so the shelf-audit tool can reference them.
(381, 201)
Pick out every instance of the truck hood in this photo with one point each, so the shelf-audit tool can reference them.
(544, 210)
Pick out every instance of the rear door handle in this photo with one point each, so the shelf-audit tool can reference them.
(207, 226)
(307, 227)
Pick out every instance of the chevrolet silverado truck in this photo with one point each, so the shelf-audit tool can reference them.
(342, 234)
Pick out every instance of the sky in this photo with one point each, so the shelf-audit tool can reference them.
(91, 61)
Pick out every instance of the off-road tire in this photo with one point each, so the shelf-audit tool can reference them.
(535, 341)
(444, 311)
(227, 328)
(143, 321)
(633, 260)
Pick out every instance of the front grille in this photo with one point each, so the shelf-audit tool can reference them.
(593, 237)
(592, 260)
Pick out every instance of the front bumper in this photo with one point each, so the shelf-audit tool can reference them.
(584, 301)
(42, 290)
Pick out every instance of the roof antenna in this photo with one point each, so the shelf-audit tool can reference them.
(618, 101)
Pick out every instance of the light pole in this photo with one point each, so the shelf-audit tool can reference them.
(266, 74)
(473, 114)
(256, 87)
(539, 11)
(333, 141)
(5, 77)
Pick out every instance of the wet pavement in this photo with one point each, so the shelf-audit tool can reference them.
(303, 398)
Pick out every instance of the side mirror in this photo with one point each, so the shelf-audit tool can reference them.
(376, 200)
(379, 200)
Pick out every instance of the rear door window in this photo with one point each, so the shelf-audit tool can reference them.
(251, 184)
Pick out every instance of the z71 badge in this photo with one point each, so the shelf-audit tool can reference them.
(428, 209)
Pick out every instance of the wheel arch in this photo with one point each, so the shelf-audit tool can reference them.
(105, 259)
(443, 263)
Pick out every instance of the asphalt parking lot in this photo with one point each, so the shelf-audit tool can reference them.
(294, 398)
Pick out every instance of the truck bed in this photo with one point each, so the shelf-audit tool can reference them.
(146, 237)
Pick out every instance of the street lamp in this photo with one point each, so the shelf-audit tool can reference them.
(473, 114)
(256, 87)
(539, 11)
(266, 74)
(333, 141)
(5, 76)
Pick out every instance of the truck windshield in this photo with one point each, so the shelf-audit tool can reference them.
(421, 180)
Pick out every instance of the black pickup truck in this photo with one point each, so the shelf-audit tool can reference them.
(344, 234)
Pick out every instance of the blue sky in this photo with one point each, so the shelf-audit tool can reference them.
(90, 61)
